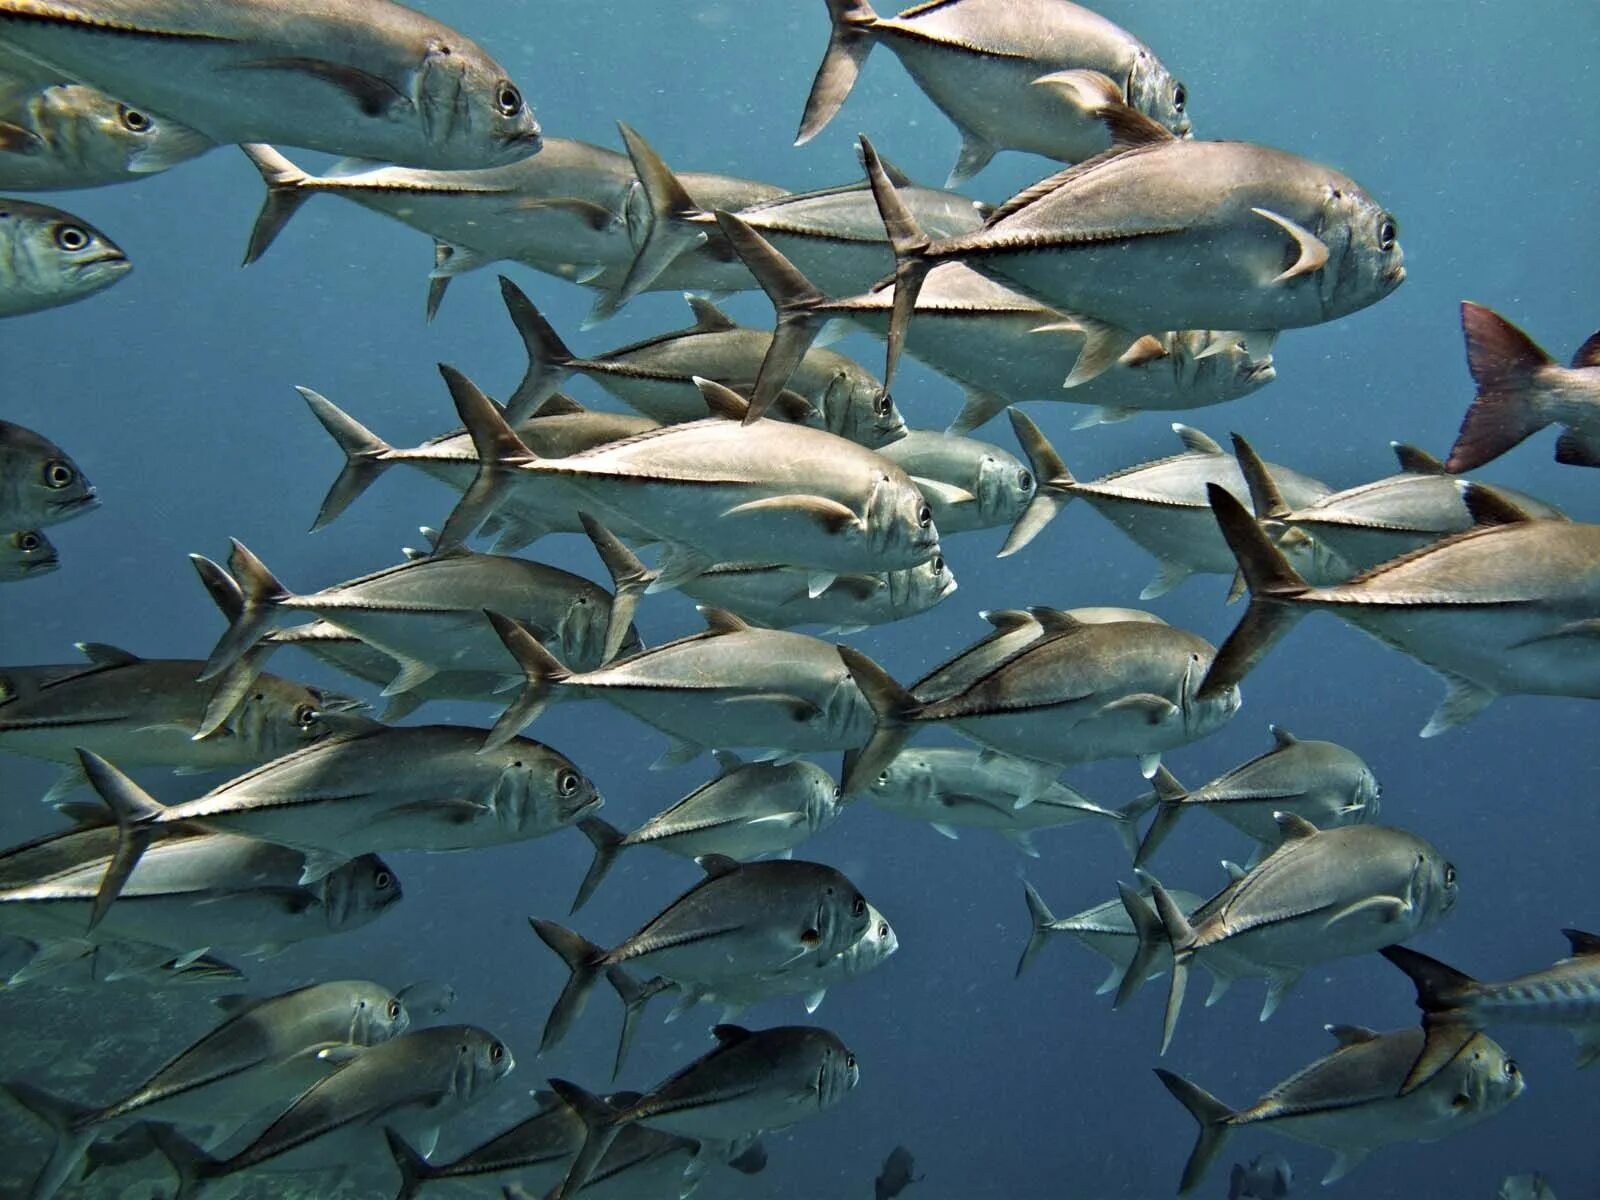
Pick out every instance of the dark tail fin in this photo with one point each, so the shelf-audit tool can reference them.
(192, 1164)
(540, 668)
(891, 704)
(1170, 795)
(849, 43)
(237, 680)
(630, 579)
(600, 1129)
(1053, 483)
(676, 222)
(1211, 1114)
(910, 246)
(608, 842)
(260, 595)
(286, 192)
(414, 1169)
(1148, 940)
(500, 453)
(583, 959)
(1265, 497)
(365, 456)
(1445, 997)
(634, 996)
(135, 810)
(549, 360)
(1181, 935)
(1503, 361)
(74, 1129)
(1273, 585)
(1041, 916)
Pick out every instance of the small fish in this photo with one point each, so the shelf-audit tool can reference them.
(25, 555)
(896, 1175)
(39, 484)
(1521, 389)
(1010, 75)
(49, 258)
(1322, 782)
(779, 596)
(1525, 1187)
(971, 485)
(1350, 1101)
(365, 77)
(1268, 1177)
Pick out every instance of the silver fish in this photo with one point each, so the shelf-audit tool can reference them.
(1319, 896)
(365, 77)
(748, 810)
(25, 555)
(39, 484)
(753, 1080)
(1521, 389)
(1009, 75)
(953, 789)
(1322, 782)
(49, 258)
(741, 920)
(1350, 1101)
(266, 1051)
(779, 596)
(58, 134)
(969, 484)
(1525, 1187)
(1508, 608)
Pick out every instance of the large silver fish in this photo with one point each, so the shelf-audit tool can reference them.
(779, 596)
(748, 810)
(1566, 995)
(1321, 895)
(26, 555)
(753, 1080)
(266, 1052)
(994, 67)
(49, 258)
(1350, 1101)
(1510, 607)
(40, 485)
(1521, 389)
(58, 134)
(363, 77)
(1159, 234)
(741, 920)
(1322, 782)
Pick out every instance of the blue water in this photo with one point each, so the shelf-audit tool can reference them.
(1472, 122)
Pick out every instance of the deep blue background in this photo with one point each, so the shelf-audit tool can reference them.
(1473, 122)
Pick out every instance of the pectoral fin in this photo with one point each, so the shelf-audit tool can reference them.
(1463, 700)
(14, 139)
(1313, 252)
(980, 407)
(373, 94)
(1151, 708)
(945, 493)
(1385, 908)
(830, 514)
(976, 152)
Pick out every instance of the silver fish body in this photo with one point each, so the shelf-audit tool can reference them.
(40, 485)
(49, 258)
(779, 596)
(26, 555)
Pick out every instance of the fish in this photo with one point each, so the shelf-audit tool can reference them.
(1521, 390)
(1159, 234)
(748, 810)
(954, 788)
(1322, 782)
(715, 490)
(25, 555)
(58, 134)
(1338, 536)
(1321, 895)
(427, 998)
(411, 1084)
(40, 485)
(1349, 1101)
(416, 787)
(1161, 505)
(1566, 994)
(1508, 608)
(1268, 1177)
(896, 1175)
(1525, 1187)
(971, 485)
(49, 258)
(656, 377)
(1095, 690)
(363, 77)
(753, 1080)
(734, 685)
(1009, 76)
(148, 711)
(779, 596)
(740, 920)
(267, 1050)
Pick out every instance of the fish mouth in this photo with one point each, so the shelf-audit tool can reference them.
(1395, 275)
(1261, 372)
(77, 504)
(109, 261)
(41, 566)
(531, 138)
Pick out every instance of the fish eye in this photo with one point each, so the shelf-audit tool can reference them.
(496, 1052)
(1180, 97)
(837, 792)
(883, 404)
(382, 880)
(507, 99)
(938, 564)
(567, 782)
(1449, 875)
(850, 1062)
(883, 929)
(924, 515)
(394, 1010)
(26, 542)
(306, 716)
(859, 908)
(1512, 1070)
(58, 474)
(883, 778)
(1025, 480)
(1387, 233)
(71, 238)
(133, 120)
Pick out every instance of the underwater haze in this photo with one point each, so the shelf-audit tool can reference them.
(1472, 122)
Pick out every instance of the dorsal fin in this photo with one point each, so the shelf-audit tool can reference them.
(729, 1035)
(1293, 828)
(717, 865)
(727, 762)
(1588, 354)
(722, 401)
(1352, 1035)
(1414, 461)
(708, 318)
(1583, 944)
(1489, 506)
(1195, 441)
(1282, 736)
(1265, 497)
(1053, 620)
(559, 404)
(103, 654)
(896, 176)
(1006, 620)
(720, 620)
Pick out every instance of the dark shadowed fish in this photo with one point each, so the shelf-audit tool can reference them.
(896, 1175)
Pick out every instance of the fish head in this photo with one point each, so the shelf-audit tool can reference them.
(1434, 885)
(472, 113)
(1205, 714)
(860, 409)
(1004, 488)
(1483, 1079)
(581, 633)
(55, 256)
(482, 1061)
(1210, 366)
(1153, 90)
(376, 1016)
(92, 128)
(1368, 795)
(898, 522)
(39, 479)
(278, 716)
(837, 1073)
(841, 916)
(539, 789)
(908, 778)
(1365, 261)
(26, 553)
(921, 587)
(358, 891)
(824, 798)
(872, 947)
